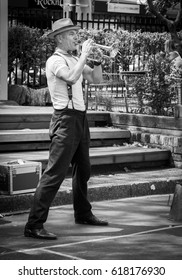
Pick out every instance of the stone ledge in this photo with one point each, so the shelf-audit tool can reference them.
(105, 187)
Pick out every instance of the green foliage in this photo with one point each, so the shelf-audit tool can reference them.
(156, 91)
(104, 100)
(28, 45)
(164, 5)
(138, 43)
(128, 44)
(32, 48)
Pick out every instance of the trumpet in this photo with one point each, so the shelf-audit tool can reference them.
(106, 48)
(112, 50)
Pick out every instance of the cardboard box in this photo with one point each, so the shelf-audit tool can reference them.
(18, 177)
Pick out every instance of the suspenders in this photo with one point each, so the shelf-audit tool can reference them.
(70, 95)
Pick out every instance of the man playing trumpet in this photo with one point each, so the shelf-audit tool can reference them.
(69, 131)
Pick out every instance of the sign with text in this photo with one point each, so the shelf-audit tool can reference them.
(46, 3)
(123, 8)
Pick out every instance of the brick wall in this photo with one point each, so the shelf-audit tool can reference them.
(157, 131)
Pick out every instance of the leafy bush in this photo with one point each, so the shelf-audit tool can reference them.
(32, 47)
(156, 91)
(28, 46)
(104, 100)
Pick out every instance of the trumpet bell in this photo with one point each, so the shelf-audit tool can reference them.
(103, 47)
(111, 49)
(114, 52)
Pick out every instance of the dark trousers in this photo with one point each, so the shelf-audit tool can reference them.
(70, 139)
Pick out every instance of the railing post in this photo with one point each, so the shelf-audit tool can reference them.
(126, 81)
(86, 94)
(178, 107)
(179, 86)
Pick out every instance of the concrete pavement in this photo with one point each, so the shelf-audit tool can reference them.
(139, 229)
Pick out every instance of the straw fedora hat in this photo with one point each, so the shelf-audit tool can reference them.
(62, 25)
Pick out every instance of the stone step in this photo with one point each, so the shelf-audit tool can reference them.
(36, 117)
(126, 155)
(38, 139)
(105, 187)
(29, 135)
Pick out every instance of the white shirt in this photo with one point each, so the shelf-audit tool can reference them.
(57, 87)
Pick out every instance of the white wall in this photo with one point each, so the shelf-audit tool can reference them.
(3, 49)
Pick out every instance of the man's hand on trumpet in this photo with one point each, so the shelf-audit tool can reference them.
(87, 47)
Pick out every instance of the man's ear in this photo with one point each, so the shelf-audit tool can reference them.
(59, 38)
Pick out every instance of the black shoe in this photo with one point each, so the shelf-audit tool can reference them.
(91, 220)
(39, 233)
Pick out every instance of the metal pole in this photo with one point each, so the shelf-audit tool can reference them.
(180, 93)
(73, 12)
(86, 94)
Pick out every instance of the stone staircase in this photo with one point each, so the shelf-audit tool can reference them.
(108, 146)
(24, 135)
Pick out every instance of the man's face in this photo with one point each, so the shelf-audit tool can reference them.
(69, 40)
